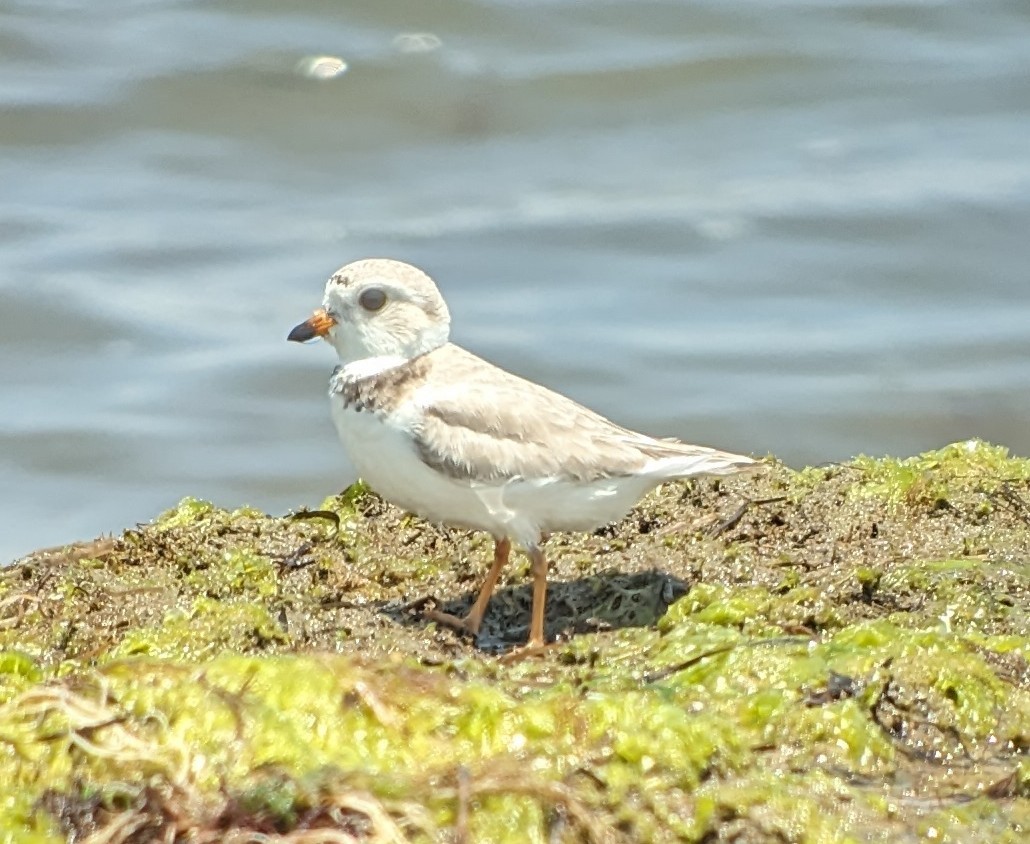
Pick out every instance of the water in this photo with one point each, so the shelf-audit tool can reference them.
(767, 226)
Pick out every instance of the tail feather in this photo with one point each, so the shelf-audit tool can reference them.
(673, 459)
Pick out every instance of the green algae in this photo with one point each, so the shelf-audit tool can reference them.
(833, 655)
(190, 511)
(206, 628)
(932, 478)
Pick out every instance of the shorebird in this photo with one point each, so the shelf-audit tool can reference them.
(444, 434)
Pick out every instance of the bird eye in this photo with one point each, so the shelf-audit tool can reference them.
(372, 299)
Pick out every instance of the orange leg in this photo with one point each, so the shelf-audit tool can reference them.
(471, 622)
(539, 568)
(536, 644)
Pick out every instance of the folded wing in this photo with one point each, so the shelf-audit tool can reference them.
(485, 425)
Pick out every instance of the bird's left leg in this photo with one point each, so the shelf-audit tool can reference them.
(536, 644)
(538, 566)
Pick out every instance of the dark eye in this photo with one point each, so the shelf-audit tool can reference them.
(372, 299)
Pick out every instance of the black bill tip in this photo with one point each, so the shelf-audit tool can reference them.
(302, 333)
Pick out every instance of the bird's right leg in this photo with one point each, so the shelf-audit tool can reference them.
(474, 619)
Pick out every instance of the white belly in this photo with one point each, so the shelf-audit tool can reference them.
(387, 459)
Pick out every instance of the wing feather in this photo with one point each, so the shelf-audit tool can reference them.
(483, 424)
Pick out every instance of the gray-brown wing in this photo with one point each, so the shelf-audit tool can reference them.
(481, 423)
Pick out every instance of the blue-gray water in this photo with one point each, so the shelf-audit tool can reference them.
(769, 226)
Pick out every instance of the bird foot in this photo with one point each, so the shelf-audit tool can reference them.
(465, 625)
(470, 627)
(526, 651)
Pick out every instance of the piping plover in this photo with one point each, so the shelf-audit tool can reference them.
(444, 434)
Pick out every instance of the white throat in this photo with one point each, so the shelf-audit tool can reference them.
(367, 367)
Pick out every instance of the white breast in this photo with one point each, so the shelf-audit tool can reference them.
(385, 456)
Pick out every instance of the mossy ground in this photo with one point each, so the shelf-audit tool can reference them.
(839, 654)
